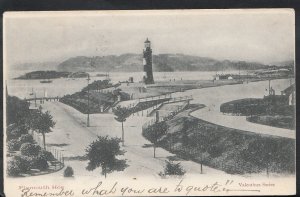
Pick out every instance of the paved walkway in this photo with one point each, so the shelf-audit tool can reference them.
(240, 122)
(72, 137)
(214, 97)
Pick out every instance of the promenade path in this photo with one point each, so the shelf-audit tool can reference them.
(72, 137)
(214, 97)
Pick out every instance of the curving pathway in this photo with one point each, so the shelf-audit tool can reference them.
(214, 97)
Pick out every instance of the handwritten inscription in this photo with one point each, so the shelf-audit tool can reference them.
(215, 187)
(98, 191)
(179, 188)
(130, 191)
(101, 189)
(27, 192)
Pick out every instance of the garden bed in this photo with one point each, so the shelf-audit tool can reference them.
(286, 122)
(231, 150)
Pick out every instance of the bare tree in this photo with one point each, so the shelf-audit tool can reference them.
(156, 131)
(199, 142)
(121, 114)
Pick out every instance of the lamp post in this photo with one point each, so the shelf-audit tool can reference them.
(88, 92)
(35, 99)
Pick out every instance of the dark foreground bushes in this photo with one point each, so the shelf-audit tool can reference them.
(13, 145)
(287, 122)
(230, 150)
(18, 164)
(28, 149)
(24, 163)
(173, 169)
(68, 172)
(24, 155)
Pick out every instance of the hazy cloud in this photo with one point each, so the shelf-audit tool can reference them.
(261, 35)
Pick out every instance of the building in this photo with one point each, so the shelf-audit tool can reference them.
(223, 77)
(290, 93)
(276, 100)
(147, 63)
(287, 97)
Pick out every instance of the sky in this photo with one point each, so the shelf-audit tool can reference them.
(264, 36)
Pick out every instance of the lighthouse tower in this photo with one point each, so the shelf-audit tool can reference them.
(147, 63)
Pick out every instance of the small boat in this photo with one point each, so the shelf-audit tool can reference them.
(46, 81)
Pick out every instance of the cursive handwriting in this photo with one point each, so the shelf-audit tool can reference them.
(99, 191)
(26, 192)
(215, 187)
(180, 188)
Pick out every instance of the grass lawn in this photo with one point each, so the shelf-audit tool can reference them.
(231, 150)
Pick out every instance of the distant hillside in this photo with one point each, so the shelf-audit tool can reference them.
(288, 63)
(36, 66)
(161, 62)
(51, 74)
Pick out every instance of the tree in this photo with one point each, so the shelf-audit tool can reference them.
(14, 131)
(200, 142)
(173, 169)
(185, 140)
(155, 132)
(262, 152)
(42, 123)
(31, 150)
(17, 111)
(69, 172)
(121, 114)
(102, 153)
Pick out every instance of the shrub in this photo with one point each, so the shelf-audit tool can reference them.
(18, 164)
(13, 145)
(173, 169)
(24, 163)
(68, 172)
(103, 153)
(26, 138)
(28, 149)
(215, 151)
(48, 156)
(39, 163)
(14, 131)
(12, 168)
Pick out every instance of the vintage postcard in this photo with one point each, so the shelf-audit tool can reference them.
(149, 103)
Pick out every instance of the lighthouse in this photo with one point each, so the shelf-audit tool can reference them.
(147, 63)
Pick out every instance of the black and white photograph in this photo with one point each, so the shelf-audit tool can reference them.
(149, 103)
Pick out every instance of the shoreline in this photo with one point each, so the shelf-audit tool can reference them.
(229, 82)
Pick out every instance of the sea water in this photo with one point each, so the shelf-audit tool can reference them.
(62, 86)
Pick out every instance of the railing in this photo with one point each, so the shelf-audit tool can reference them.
(58, 155)
(149, 123)
(173, 113)
(147, 112)
(155, 107)
(151, 98)
(103, 90)
(43, 98)
(178, 99)
(165, 117)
